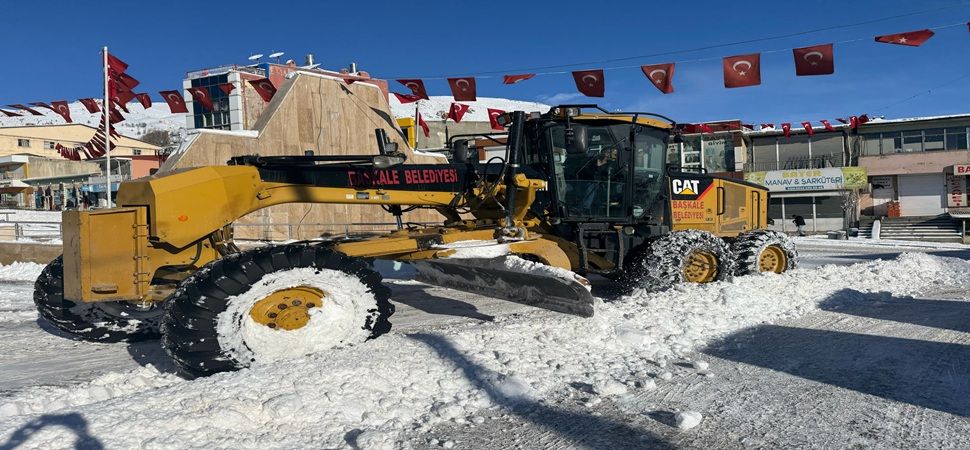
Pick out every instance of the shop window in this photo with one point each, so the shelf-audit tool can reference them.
(774, 209)
(912, 141)
(891, 143)
(870, 145)
(827, 151)
(801, 206)
(23, 143)
(956, 138)
(765, 157)
(933, 139)
(793, 152)
(829, 207)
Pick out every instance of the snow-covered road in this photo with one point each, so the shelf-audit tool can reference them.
(825, 356)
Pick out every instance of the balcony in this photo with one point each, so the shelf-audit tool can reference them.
(815, 162)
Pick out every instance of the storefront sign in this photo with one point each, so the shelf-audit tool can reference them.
(956, 190)
(828, 179)
(961, 169)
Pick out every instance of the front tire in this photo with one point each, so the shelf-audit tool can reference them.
(226, 316)
(97, 322)
(762, 251)
(679, 257)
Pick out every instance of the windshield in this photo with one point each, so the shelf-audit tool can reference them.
(596, 183)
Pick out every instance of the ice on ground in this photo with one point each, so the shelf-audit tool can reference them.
(407, 382)
(700, 365)
(686, 420)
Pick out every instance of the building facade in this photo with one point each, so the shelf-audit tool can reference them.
(34, 175)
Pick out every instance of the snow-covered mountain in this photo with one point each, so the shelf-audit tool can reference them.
(136, 123)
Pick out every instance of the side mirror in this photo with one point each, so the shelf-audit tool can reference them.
(577, 140)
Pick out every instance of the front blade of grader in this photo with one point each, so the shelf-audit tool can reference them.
(512, 279)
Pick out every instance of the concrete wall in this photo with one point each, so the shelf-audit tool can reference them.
(49, 168)
(309, 112)
(39, 253)
(911, 163)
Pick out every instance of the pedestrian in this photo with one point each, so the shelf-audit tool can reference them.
(799, 222)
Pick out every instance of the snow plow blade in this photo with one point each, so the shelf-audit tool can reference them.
(564, 293)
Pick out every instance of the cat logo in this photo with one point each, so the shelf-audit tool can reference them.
(684, 187)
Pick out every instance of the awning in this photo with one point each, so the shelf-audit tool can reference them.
(14, 187)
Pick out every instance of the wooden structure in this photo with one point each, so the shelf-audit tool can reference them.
(310, 112)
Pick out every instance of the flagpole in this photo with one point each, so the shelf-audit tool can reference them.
(417, 120)
(107, 124)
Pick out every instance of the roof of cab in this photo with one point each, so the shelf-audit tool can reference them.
(642, 120)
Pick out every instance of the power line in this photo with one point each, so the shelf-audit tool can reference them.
(487, 74)
(921, 93)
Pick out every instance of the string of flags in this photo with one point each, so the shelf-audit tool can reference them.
(738, 71)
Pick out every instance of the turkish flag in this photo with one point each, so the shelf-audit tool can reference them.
(828, 126)
(661, 75)
(116, 64)
(492, 115)
(512, 79)
(145, 100)
(30, 110)
(767, 125)
(114, 116)
(590, 82)
(41, 104)
(786, 128)
(201, 95)
(120, 104)
(88, 150)
(863, 119)
(842, 119)
(264, 88)
(808, 128)
(175, 101)
(227, 87)
(705, 128)
(61, 108)
(853, 122)
(416, 86)
(9, 114)
(90, 104)
(814, 60)
(742, 70)
(424, 126)
(121, 98)
(457, 111)
(463, 89)
(406, 98)
(909, 38)
(125, 81)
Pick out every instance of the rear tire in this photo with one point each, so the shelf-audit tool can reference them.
(670, 260)
(98, 322)
(761, 251)
(208, 327)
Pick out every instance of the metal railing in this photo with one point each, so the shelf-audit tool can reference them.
(29, 231)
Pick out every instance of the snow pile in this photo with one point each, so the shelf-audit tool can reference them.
(438, 105)
(686, 420)
(402, 383)
(42, 399)
(20, 271)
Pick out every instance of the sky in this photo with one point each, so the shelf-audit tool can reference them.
(51, 49)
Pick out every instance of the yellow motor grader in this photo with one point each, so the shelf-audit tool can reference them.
(580, 191)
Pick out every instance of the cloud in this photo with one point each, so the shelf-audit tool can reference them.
(559, 98)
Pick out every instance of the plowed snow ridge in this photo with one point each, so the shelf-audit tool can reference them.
(405, 382)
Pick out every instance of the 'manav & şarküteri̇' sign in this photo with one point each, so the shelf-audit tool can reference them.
(828, 179)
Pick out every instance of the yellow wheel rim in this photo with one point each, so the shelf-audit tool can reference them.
(772, 259)
(701, 267)
(287, 309)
